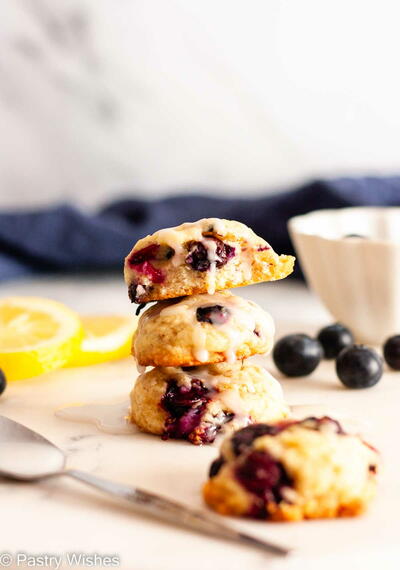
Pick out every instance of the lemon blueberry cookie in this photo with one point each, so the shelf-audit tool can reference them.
(293, 470)
(202, 329)
(200, 257)
(196, 403)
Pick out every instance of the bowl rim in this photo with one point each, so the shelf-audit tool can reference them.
(294, 222)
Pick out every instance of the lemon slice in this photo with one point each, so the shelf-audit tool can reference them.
(36, 335)
(106, 337)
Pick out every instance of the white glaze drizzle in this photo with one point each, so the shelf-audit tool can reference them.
(230, 398)
(246, 318)
(211, 247)
(199, 338)
(209, 380)
(230, 355)
(219, 226)
(173, 237)
(177, 236)
(240, 312)
(246, 261)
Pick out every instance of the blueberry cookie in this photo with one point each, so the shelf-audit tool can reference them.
(200, 257)
(196, 403)
(293, 470)
(201, 329)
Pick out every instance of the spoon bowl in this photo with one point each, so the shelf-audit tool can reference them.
(26, 455)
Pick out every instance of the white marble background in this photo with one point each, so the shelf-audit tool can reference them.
(97, 96)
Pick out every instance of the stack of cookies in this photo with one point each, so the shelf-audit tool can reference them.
(198, 336)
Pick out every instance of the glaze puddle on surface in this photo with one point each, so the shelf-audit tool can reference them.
(109, 418)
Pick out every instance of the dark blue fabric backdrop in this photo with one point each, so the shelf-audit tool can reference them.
(62, 238)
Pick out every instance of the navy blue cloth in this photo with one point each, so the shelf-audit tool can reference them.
(63, 238)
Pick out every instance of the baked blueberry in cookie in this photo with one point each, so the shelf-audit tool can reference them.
(186, 407)
(143, 261)
(213, 314)
(293, 470)
(201, 329)
(200, 257)
(265, 478)
(196, 403)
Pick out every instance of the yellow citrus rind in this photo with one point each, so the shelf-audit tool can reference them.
(37, 335)
(105, 338)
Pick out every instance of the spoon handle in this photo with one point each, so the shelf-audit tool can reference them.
(174, 512)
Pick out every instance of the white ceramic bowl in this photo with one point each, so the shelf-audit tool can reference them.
(358, 279)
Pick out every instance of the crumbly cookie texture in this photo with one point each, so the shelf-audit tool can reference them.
(293, 470)
(200, 257)
(202, 329)
(196, 403)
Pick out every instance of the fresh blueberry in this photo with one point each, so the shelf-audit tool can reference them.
(214, 314)
(359, 366)
(297, 354)
(3, 381)
(334, 338)
(391, 352)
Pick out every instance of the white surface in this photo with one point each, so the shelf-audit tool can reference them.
(358, 279)
(100, 95)
(63, 516)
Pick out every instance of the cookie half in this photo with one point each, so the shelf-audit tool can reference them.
(196, 403)
(202, 329)
(200, 257)
(293, 470)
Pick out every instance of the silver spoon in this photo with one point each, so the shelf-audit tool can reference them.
(27, 456)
